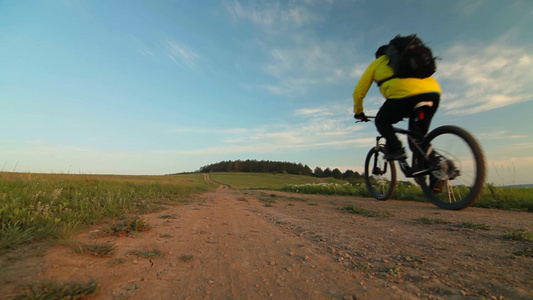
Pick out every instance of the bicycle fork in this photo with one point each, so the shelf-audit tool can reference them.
(376, 170)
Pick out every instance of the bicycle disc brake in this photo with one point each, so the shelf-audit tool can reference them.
(445, 169)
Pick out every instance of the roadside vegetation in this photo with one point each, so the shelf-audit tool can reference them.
(354, 209)
(54, 206)
(506, 198)
(404, 190)
(520, 199)
(241, 180)
(54, 290)
(98, 249)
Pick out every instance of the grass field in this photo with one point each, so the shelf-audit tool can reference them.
(42, 206)
(266, 180)
(55, 206)
(492, 197)
(508, 198)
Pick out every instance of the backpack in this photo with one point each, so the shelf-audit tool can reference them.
(409, 58)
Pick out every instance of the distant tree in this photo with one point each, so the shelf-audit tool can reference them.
(336, 173)
(318, 172)
(327, 173)
(307, 171)
(299, 168)
(262, 166)
(348, 174)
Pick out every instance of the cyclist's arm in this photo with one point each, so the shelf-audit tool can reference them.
(362, 87)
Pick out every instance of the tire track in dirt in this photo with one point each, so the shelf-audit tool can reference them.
(399, 252)
(217, 247)
(220, 186)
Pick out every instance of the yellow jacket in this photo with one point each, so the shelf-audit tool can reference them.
(390, 89)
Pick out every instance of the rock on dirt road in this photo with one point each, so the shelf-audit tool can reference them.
(229, 244)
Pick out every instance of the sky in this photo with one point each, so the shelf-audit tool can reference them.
(161, 87)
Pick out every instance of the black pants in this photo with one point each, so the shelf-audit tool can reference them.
(395, 110)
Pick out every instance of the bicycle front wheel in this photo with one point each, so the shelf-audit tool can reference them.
(380, 174)
(458, 168)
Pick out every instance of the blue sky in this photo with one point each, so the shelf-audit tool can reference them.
(158, 87)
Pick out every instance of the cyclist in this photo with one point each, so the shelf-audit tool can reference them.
(402, 95)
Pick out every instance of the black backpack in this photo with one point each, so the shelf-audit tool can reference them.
(409, 58)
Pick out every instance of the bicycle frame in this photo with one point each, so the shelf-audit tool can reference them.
(404, 165)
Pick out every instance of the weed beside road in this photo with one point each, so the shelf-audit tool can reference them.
(40, 206)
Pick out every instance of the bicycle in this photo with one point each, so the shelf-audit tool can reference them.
(448, 164)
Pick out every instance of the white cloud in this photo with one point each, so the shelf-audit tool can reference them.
(502, 134)
(202, 130)
(469, 8)
(522, 146)
(358, 70)
(141, 47)
(274, 143)
(297, 60)
(304, 63)
(312, 128)
(270, 15)
(485, 77)
(181, 55)
(318, 111)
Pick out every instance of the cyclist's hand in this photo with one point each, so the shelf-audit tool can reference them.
(361, 117)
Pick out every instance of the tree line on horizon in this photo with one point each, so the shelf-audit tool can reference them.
(277, 167)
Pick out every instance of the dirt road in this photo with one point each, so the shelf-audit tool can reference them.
(229, 244)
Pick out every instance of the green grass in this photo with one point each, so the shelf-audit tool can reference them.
(267, 200)
(354, 209)
(96, 249)
(519, 199)
(264, 180)
(521, 234)
(52, 206)
(473, 225)
(431, 221)
(146, 253)
(54, 290)
(394, 270)
(55, 206)
(508, 198)
(345, 189)
(168, 217)
(363, 266)
(127, 226)
(404, 190)
(462, 224)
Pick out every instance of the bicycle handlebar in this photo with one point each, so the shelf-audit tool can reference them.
(366, 119)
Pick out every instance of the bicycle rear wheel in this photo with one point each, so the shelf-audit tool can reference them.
(380, 174)
(458, 168)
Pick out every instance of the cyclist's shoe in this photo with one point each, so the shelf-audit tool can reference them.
(396, 155)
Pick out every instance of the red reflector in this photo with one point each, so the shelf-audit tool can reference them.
(421, 115)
